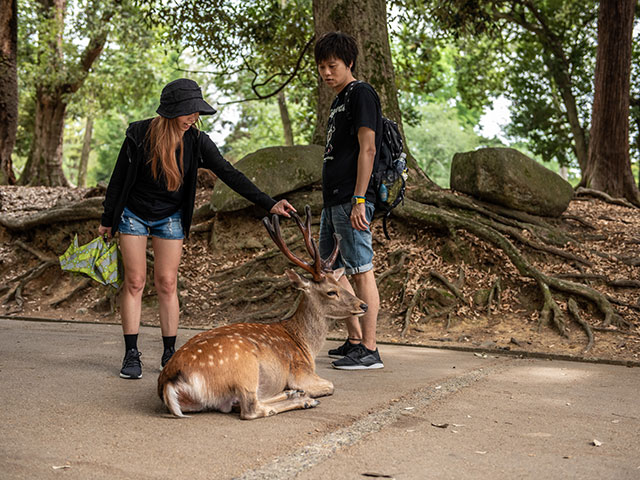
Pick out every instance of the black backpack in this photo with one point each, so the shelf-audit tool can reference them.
(390, 171)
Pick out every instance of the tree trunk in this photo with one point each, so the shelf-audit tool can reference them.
(609, 167)
(366, 21)
(563, 81)
(44, 165)
(286, 120)
(86, 150)
(9, 90)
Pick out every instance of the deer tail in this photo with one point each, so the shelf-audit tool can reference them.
(169, 394)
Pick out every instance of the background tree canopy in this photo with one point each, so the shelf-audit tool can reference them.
(451, 59)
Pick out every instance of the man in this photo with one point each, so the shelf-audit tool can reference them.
(354, 136)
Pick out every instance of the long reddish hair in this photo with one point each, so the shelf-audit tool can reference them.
(163, 138)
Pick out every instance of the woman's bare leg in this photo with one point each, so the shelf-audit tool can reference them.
(167, 255)
(134, 259)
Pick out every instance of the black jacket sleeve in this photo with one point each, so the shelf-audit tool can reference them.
(234, 178)
(116, 184)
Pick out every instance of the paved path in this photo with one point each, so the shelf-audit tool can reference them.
(430, 414)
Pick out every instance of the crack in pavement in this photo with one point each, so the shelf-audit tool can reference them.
(308, 456)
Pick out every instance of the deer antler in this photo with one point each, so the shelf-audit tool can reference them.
(319, 266)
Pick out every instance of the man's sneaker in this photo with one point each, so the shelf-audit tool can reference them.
(343, 350)
(168, 353)
(131, 365)
(359, 358)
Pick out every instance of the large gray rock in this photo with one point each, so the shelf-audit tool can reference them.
(507, 177)
(275, 170)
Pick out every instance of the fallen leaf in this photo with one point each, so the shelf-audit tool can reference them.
(376, 475)
(440, 425)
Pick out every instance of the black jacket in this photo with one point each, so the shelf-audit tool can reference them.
(207, 155)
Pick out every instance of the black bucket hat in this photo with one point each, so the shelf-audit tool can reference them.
(183, 97)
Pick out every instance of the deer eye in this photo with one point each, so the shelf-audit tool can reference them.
(332, 293)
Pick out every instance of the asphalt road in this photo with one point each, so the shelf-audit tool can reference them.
(429, 414)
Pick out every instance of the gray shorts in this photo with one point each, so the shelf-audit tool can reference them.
(356, 250)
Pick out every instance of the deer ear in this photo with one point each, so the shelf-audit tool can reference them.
(297, 281)
(338, 272)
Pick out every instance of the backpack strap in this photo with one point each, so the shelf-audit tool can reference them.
(387, 214)
(347, 104)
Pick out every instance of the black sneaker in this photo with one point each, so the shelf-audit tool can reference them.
(342, 350)
(168, 353)
(131, 365)
(359, 358)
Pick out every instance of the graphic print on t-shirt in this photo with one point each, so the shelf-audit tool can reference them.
(331, 128)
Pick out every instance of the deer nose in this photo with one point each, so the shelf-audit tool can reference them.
(364, 307)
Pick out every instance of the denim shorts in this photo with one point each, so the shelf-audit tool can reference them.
(169, 228)
(356, 250)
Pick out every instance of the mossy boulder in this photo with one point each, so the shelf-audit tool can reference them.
(507, 177)
(275, 170)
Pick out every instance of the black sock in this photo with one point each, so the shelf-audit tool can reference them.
(169, 342)
(131, 341)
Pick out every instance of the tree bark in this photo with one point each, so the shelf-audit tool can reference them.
(366, 21)
(286, 120)
(44, 165)
(86, 150)
(9, 90)
(609, 167)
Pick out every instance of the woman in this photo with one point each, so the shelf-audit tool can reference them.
(152, 193)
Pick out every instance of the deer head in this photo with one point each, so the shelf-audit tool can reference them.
(324, 290)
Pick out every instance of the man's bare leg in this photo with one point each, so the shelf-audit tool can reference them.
(364, 327)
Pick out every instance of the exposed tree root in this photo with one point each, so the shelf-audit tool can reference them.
(21, 281)
(495, 294)
(447, 283)
(450, 220)
(87, 209)
(250, 263)
(409, 312)
(580, 220)
(86, 282)
(575, 312)
(581, 191)
(401, 256)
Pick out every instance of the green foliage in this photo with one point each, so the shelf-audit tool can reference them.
(441, 133)
(515, 48)
(251, 49)
(259, 126)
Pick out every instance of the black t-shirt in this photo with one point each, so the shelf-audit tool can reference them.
(340, 166)
(151, 200)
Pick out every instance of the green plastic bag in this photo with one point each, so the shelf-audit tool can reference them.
(97, 259)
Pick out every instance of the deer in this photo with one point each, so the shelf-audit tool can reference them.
(264, 368)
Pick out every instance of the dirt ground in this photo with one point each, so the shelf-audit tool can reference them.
(215, 285)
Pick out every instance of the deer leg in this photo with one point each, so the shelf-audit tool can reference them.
(285, 395)
(311, 383)
(251, 407)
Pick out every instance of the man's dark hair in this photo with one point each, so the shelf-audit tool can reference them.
(337, 45)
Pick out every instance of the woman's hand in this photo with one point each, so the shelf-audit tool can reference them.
(282, 208)
(102, 231)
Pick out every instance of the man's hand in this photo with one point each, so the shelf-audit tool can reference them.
(283, 208)
(102, 231)
(359, 217)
